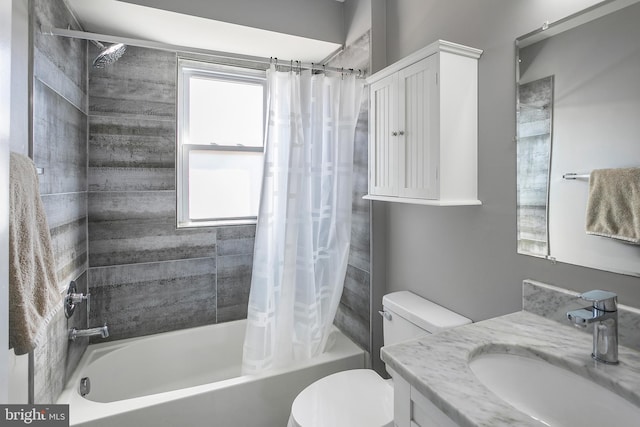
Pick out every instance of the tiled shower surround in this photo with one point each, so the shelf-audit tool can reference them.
(145, 275)
(106, 141)
(60, 148)
(353, 316)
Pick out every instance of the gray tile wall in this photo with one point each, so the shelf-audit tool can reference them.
(354, 310)
(132, 212)
(145, 275)
(60, 147)
(235, 262)
(118, 239)
(534, 128)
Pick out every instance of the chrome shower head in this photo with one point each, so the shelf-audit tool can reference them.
(108, 55)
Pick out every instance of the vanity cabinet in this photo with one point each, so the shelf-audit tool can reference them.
(412, 409)
(423, 127)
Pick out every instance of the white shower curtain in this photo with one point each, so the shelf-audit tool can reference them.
(304, 220)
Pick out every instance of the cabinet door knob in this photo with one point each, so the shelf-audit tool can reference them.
(394, 133)
(401, 133)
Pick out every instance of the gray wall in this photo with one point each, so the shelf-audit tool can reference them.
(316, 19)
(20, 77)
(6, 22)
(595, 126)
(60, 147)
(357, 20)
(17, 131)
(145, 275)
(465, 257)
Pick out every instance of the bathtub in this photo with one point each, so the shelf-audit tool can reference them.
(192, 378)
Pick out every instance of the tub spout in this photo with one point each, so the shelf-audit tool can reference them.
(103, 331)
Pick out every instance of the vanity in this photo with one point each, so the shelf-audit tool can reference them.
(578, 100)
(532, 360)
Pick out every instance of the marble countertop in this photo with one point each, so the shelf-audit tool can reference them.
(437, 365)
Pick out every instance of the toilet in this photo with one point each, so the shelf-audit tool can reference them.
(360, 397)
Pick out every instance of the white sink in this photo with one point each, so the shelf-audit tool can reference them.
(551, 395)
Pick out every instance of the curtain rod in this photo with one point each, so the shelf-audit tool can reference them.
(190, 50)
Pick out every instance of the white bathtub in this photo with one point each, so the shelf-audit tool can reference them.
(192, 378)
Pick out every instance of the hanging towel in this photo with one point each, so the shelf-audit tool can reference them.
(613, 208)
(33, 293)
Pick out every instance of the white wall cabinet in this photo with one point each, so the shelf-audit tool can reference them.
(423, 127)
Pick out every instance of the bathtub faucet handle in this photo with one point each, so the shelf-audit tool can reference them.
(102, 331)
(73, 298)
(78, 298)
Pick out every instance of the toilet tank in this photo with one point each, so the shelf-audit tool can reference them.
(408, 316)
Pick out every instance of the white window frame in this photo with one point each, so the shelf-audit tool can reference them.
(186, 69)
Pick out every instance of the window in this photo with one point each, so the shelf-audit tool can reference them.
(221, 113)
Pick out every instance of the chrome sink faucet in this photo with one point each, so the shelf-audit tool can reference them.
(603, 313)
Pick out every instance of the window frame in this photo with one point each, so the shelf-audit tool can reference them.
(188, 68)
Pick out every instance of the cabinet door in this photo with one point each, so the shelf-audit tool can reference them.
(418, 115)
(383, 148)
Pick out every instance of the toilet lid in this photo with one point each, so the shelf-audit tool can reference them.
(356, 398)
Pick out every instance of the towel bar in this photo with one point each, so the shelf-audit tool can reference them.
(575, 176)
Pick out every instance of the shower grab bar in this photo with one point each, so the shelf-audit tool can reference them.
(572, 175)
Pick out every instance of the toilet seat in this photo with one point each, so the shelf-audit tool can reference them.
(356, 398)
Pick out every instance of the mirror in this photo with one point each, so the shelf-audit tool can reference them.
(578, 109)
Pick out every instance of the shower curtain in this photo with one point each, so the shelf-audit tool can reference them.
(304, 220)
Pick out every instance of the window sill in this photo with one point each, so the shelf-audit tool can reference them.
(427, 202)
(216, 223)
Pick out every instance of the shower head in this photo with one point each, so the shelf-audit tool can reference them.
(108, 55)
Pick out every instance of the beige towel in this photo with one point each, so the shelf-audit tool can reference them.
(33, 293)
(613, 208)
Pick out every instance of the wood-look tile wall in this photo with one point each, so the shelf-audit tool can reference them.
(145, 275)
(534, 126)
(353, 316)
(111, 205)
(60, 148)
(132, 213)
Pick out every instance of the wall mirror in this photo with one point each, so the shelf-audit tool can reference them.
(578, 109)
